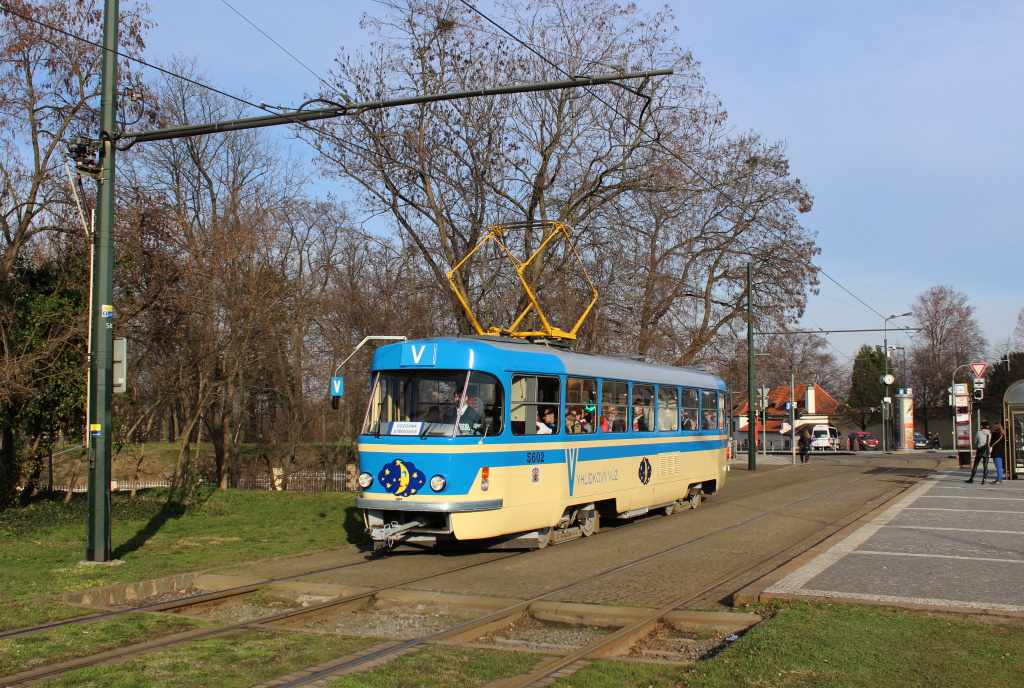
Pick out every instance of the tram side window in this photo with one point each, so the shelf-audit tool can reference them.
(689, 401)
(643, 408)
(668, 409)
(709, 404)
(534, 403)
(614, 402)
(580, 405)
(484, 411)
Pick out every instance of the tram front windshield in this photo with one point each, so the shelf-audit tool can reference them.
(438, 403)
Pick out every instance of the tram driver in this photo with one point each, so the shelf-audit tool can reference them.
(467, 408)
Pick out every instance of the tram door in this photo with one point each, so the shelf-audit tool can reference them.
(1013, 412)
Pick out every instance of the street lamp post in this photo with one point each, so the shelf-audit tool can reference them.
(893, 348)
(887, 380)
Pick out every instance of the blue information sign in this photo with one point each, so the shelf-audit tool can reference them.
(337, 386)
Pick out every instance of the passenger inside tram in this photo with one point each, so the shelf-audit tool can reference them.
(546, 421)
(572, 422)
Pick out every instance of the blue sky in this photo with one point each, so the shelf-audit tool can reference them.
(904, 119)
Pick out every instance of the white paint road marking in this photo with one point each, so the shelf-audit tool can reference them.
(959, 530)
(937, 556)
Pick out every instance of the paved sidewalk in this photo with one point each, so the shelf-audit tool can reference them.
(945, 544)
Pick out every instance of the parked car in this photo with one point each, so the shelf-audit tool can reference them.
(824, 437)
(921, 442)
(864, 440)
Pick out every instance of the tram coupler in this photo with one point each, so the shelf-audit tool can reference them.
(385, 535)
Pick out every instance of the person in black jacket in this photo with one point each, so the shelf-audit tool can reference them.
(804, 445)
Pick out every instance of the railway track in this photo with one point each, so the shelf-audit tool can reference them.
(631, 631)
(739, 491)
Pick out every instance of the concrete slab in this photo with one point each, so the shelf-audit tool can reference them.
(944, 545)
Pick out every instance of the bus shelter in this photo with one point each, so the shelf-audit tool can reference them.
(1013, 412)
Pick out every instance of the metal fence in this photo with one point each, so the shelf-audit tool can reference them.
(341, 480)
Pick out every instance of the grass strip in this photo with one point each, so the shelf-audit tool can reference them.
(42, 546)
(441, 666)
(842, 646)
(33, 613)
(236, 661)
(83, 640)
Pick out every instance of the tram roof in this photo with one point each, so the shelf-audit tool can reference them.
(513, 355)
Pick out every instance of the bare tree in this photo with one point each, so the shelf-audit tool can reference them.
(49, 89)
(950, 337)
(443, 172)
(676, 277)
(1018, 332)
(217, 200)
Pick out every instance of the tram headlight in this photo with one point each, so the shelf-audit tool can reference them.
(365, 480)
(437, 483)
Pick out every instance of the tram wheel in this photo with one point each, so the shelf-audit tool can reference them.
(590, 525)
(695, 499)
(669, 509)
(543, 537)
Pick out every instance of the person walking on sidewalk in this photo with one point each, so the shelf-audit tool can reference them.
(804, 444)
(982, 440)
(997, 448)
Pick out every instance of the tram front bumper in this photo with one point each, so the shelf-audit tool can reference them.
(431, 507)
(391, 522)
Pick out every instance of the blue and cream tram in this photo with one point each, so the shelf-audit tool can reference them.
(517, 444)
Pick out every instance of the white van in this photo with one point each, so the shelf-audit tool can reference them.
(824, 437)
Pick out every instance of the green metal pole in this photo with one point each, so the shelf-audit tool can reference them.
(101, 377)
(792, 415)
(885, 404)
(751, 448)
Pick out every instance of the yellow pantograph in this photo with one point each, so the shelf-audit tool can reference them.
(552, 232)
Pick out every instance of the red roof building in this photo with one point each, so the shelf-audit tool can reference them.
(813, 406)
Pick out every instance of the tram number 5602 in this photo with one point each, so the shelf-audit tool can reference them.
(535, 457)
